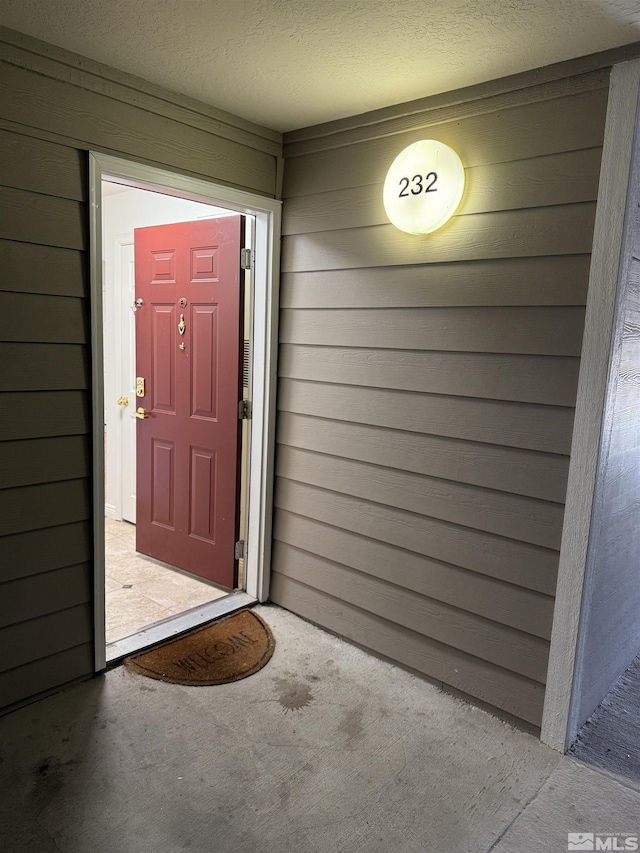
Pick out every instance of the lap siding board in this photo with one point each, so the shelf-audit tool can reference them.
(427, 385)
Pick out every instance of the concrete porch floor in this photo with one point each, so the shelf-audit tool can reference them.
(326, 749)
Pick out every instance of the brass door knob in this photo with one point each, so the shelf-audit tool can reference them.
(123, 401)
(140, 413)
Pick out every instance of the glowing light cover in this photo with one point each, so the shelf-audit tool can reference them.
(423, 187)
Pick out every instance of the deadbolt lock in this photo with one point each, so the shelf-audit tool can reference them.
(139, 386)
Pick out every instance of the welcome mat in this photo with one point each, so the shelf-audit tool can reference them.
(217, 653)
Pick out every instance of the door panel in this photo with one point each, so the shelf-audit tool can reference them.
(188, 341)
(163, 484)
(163, 379)
(203, 494)
(204, 363)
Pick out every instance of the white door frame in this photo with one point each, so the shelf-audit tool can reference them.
(267, 213)
(124, 372)
(592, 422)
(118, 304)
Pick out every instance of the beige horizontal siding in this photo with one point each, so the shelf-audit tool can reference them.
(54, 62)
(427, 384)
(492, 641)
(43, 505)
(37, 414)
(28, 217)
(46, 611)
(559, 230)
(44, 367)
(554, 81)
(38, 551)
(507, 469)
(574, 122)
(40, 318)
(513, 516)
(42, 167)
(526, 379)
(46, 674)
(29, 268)
(97, 120)
(44, 333)
(27, 641)
(506, 559)
(42, 594)
(558, 280)
(557, 179)
(533, 330)
(44, 460)
(46, 573)
(546, 428)
(524, 609)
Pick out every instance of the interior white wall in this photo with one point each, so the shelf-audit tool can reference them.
(609, 637)
(123, 210)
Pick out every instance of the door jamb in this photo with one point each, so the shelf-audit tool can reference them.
(114, 301)
(267, 213)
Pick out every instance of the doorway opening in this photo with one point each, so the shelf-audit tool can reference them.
(184, 310)
(149, 581)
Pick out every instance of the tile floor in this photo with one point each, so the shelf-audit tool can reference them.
(141, 591)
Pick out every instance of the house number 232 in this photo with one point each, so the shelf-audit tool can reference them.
(423, 186)
(429, 185)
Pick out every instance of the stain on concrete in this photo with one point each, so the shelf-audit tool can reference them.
(292, 695)
(351, 724)
(48, 777)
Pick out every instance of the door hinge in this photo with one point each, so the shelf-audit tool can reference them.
(239, 550)
(246, 259)
(244, 410)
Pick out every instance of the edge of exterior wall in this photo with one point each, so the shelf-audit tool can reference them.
(559, 724)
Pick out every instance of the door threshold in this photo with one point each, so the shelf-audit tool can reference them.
(174, 625)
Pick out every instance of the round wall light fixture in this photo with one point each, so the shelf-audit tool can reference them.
(423, 187)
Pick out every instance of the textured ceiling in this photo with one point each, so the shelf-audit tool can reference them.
(291, 63)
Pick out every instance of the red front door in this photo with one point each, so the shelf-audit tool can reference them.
(188, 354)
